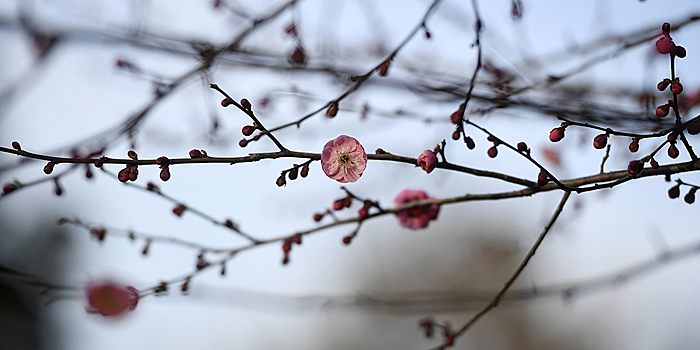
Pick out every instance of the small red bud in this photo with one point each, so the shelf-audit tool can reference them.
(246, 104)
(165, 174)
(179, 210)
(195, 153)
(542, 178)
(493, 152)
(287, 246)
(100, 162)
(58, 190)
(556, 134)
(243, 143)
(347, 202)
(634, 145)
(151, 187)
(256, 137)
(285, 261)
(281, 181)
(522, 147)
(674, 192)
(123, 174)
(9, 188)
(16, 146)
(455, 135)
(456, 117)
(427, 34)
(204, 153)
(318, 217)
(673, 151)
(248, 130)
(293, 173)
(132, 155)
(694, 126)
(662, 85)
(662, 111)
(226, 102)
(332, 110)
(680, 51)
(347, 240)
(229, 223)
(600, 141)
(635, 167)
(690, 197)
(338, 205)
(297, 238)
(654, 164)
(133, 173)
(362, 213)
(305, 170)
(470, 142)
(384, 67)
(666, 28)
(298, 57)
(48, 168)
(676, 87)
(88, 173)
(163, 161)
(664, 45)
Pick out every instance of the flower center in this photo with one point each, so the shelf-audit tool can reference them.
(344, 159)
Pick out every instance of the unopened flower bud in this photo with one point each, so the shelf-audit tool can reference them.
(666, 28)
(456, 117)
(318, 217)
(293, 173)
(600, 141)
(298, 57)
(16, 146)
(654, 164)
(680, 51)
(469, 142)
(384, 68)
(9, 188)
(338, 204)
(247, 130)
(347, 240)
(226, 102)
(522, 147)
(48, 168)
(676, 87)
(664, 45)
(332, 110)
(690, 197)
(455, 135)
(243, 143)
(662, 111)
(493, 152)
(163, 161)
(304, 170)
(362, 213)
(542, 178)
(674, 192)
(165, 174)
(179, 210)
(133, 173)
(635, 167)
(634, 145)
(246, 104)
(123, 174)
(557, 134)
(195, 153)
(694, 126)
(281, 181)
(100, 162)
(662, 85)
(132, 155)
(673, 151)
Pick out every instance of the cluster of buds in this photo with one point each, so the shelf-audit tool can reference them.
(131, 171)
(665, 44)
(493, 151)
(164, 164)
(287, 246)
(293, 173)
(675, 192)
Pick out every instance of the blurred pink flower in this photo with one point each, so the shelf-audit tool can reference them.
(111, 299)
(344, 159)
(417, 217)
(427, 161)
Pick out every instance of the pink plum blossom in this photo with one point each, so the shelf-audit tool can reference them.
(344, 159)
(427, 161)
(111, 299)
(415, 218)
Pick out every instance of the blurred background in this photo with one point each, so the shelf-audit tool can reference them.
(79, 76)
